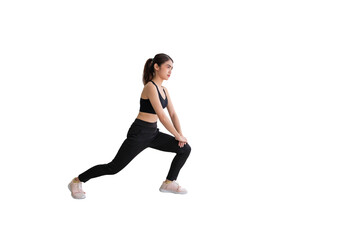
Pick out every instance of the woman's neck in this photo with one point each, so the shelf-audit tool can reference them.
(158, 81)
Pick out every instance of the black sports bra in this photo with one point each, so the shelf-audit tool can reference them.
(145, 105)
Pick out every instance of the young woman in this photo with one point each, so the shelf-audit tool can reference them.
(144, 133)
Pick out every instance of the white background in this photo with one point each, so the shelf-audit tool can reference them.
(266, 92)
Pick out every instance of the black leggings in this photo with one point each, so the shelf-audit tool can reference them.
(141, 135)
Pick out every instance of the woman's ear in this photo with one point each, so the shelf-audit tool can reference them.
(156, 66)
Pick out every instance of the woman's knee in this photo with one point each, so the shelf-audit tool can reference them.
(112, 169)
(186, 149)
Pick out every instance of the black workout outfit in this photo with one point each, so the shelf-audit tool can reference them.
(140, 136)
(145, 105)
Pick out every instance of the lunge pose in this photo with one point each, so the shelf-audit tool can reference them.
(143, 132)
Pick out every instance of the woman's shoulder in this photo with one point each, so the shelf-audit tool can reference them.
(148, 89)
(148, 85)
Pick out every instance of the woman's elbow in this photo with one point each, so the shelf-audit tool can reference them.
(162, 117)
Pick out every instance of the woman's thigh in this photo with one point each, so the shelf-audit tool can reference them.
(165, 142)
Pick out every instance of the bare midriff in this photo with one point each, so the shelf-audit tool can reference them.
(147, 117)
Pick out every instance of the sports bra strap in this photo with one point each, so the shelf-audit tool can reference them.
(158, 88)
(155, 85)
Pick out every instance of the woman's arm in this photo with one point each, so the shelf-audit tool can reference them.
(174, 118)
(155, 102)
(169, 126)
(176, 122)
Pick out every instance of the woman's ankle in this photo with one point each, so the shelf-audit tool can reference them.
(168, 181)
(76, 180)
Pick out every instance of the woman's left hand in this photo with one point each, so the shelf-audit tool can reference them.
(181, 144)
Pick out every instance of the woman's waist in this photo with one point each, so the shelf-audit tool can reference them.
(147, 117)
(144, 123)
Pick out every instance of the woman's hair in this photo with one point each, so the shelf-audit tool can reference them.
(149, 66)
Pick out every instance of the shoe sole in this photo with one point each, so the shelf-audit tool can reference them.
(166, 191)
(72, 194)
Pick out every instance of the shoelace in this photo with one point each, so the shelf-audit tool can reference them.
(179, 187)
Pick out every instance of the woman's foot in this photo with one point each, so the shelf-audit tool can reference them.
(172, 187)
(75, 188)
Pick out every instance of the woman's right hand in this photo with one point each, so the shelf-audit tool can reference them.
(181, 139)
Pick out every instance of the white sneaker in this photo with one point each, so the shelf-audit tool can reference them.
(76, 190)
(172, 187)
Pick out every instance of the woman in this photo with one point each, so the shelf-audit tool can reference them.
(144, 133)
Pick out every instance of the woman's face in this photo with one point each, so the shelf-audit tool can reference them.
(164, 71)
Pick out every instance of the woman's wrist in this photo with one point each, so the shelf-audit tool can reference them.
(179, 134)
